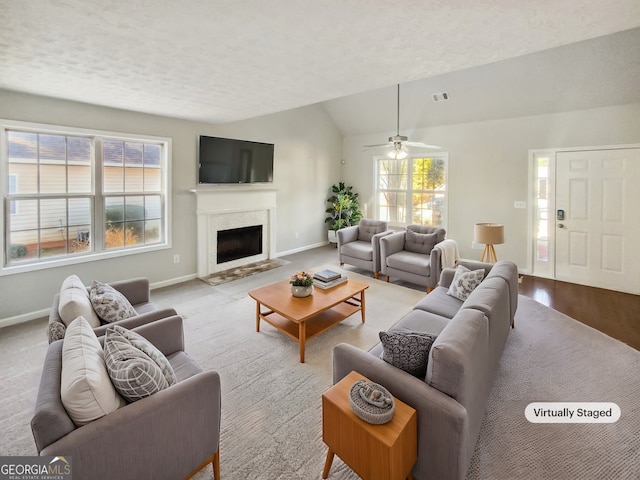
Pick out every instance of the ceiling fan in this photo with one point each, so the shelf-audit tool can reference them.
(399, 143)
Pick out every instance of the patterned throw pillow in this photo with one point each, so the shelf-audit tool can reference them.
(109, 303)
(137, 368)
(407, 351)
(464, 282)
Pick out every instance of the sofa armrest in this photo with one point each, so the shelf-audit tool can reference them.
(442, 422)
(347, 234)
(138, 320)
(435, 267)
(136, 290)
(375, 245)
(165, 435)
(446, 277)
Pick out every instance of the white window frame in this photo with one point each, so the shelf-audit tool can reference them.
(409, 204)
(97, 195)
(13, 211)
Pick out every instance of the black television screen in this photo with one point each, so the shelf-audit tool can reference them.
(225, 160)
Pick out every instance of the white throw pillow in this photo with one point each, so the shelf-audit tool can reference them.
(75, 302)
(86, 389)
(109, 303)
(464, 282)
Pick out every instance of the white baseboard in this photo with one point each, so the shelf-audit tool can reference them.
(23, 318)
(172, 281)
(302, 249)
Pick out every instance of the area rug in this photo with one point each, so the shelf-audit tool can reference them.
(237, 273)
(271, 403)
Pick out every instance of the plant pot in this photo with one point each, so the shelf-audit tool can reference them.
(298, 291)
(333, 236)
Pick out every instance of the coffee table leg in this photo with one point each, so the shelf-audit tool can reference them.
(302, 336)
(327, 464)
(257, 316)
(362, 311)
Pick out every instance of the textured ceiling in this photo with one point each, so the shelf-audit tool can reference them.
(225, 60)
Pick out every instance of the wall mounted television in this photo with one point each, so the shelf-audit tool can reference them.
(229, 161)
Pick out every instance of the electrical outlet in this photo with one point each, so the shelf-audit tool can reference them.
(519, 204)
(176, 258)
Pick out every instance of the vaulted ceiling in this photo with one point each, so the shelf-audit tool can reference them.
(225, 60)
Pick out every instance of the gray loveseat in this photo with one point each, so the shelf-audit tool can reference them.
(168, 435)
(136, 290)
(451, 400)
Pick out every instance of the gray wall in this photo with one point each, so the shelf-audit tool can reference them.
(489, 166)
(307, 163)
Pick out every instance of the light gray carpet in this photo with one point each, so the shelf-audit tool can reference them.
(271, 423)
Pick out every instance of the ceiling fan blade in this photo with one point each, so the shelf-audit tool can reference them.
(421, 145)
(379, 145)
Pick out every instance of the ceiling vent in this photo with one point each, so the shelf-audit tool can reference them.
(440, 97)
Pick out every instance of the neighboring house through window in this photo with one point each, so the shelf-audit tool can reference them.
(77, 194)
(412, 190)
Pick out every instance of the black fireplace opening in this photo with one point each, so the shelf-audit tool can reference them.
(238, 243)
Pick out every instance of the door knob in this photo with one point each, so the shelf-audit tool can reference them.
(560, 225)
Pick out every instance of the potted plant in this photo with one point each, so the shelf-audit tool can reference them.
(343, 210)
(301, 284)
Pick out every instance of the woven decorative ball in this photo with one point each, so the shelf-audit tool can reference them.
(371, 402)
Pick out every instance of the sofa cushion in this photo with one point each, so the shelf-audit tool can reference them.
(368, 228)
(75, 302)
(109, 303)
(86, 390)
(420, 242)
(358, 249)
(440, 303)
(407, 351)
(417, 263)
(464, 282)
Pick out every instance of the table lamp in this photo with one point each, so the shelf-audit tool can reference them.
(490, 234)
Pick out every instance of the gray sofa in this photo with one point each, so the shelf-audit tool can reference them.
(136, 290)
(451, 400)
(409, 257)
(359, 245)
(168, 435)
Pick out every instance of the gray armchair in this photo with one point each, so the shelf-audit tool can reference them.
(169, 435)
(360, 245)
(136, 290)
(410, 255)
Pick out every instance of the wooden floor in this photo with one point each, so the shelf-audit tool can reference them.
(615, 313)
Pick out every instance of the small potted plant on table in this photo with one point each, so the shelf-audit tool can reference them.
(301, 284)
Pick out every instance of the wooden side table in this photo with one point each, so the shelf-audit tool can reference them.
(375, 452)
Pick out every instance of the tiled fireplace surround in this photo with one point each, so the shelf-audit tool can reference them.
(222, 208)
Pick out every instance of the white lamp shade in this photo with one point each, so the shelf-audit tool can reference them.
(488, 233)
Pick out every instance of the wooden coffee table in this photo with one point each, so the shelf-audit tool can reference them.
(304, 318)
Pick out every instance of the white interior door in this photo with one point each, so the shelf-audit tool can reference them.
(597, 241)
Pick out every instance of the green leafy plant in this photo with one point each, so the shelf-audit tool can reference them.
(344, 209)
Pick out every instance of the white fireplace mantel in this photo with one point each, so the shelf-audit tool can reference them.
(233, 207)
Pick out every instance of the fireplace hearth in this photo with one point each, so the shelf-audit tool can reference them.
(235, 243)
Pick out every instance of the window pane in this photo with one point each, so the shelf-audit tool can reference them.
(152, 179)
(80, 238)
(23, 245)
(134, 209)
(114, 211)
(26, 177)
(152, 231)
(152, 155)
(53, 242)
(133, 180)
(53, 178)
(53, 213)
(22, 147)
(79, 150)
(153, 206)
(26, 218)
(112, 152)
(52, 148)
(134, 233)
(113, 179)
(80, 211)
(114, 236)
(79, 178)
(428, 173)
(133, 154)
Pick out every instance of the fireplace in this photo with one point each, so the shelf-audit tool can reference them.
(235, 243)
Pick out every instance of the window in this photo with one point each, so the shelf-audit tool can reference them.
(74, 195)
(412, 190)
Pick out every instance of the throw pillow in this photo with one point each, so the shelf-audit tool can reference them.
(464, 282)
(134, 373)
(85, 388)
(148, 348)
(407, 351)
(109, 303)
(420, 242)
(75, 302)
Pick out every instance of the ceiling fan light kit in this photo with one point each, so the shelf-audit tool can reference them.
(399, 143)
